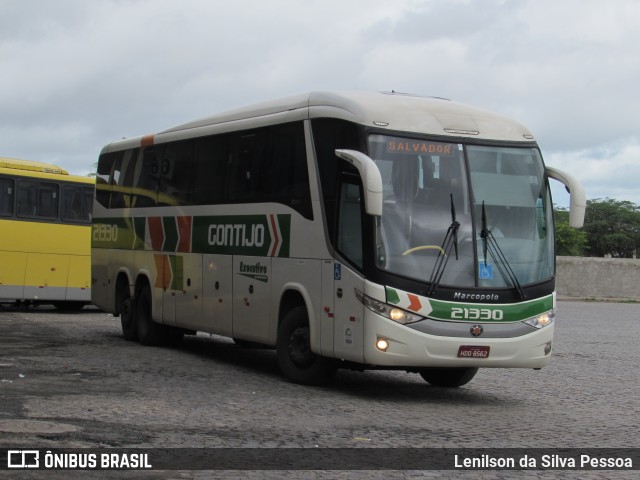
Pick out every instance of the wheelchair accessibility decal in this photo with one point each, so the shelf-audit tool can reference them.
(485, 271)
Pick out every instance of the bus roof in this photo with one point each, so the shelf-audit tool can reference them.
(388, 110)
(31, 166)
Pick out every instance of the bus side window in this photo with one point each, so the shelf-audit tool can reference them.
(37, 199)
(108, 175)
(328, 135)
(6, 196)
(76, 203)
(284, 169)
(244, 175)
(209, 179)
(145, 182)
(350, 223)
(177, 166)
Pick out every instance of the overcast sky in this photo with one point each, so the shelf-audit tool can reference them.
(77, 74)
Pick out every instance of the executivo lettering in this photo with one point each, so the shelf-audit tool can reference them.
(257, 271)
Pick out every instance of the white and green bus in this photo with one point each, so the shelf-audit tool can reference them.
(353, 230)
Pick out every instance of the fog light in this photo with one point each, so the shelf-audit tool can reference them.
(547, 348)
(382, 344)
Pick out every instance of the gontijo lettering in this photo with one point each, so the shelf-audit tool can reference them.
(236, 235)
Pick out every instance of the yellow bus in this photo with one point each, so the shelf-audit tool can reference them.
(45, 246)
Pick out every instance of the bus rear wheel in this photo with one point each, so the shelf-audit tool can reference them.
(293, 348)
(150, 332)
(448, 377)
(124, 307)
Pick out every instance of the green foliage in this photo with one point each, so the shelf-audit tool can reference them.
(612, 227)
(569, 241)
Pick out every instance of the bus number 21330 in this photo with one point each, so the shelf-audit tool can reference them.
(458, 313)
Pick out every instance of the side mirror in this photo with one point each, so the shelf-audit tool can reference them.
(577, 198)
(371, 179)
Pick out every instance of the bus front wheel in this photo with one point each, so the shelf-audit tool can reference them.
(293, 348)
(448, 377)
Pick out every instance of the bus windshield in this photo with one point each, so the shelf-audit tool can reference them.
(496, 196)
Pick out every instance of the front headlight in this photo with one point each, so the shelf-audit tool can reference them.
(542, 320)
(389, 311)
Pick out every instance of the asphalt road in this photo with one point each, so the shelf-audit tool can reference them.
(71, 381)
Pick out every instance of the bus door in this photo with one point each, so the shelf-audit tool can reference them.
(188, 298)
(252, 298)
(348, 310)
(217, 282)
(181, 282)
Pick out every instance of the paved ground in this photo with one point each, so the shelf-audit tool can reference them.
(71, 381)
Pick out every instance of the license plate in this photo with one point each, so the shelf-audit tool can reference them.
(473, 351)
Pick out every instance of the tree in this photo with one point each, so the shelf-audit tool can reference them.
(612, 228)
(569, 241)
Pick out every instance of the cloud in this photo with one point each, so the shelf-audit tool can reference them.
(610, 170)
(77, 75)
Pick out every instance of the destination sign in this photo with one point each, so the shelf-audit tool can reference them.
(418, 147)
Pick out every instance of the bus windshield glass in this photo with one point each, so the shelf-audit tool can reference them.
(496, 197)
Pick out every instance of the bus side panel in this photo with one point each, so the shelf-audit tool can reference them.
(217, 295)
(252, 298)
(349, 316)
(46, 277)
(100, 279)
(304, 276)
(187, 285)
(12, 275)
(325, 322)
(79, 279)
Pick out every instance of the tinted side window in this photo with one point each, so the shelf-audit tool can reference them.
(177, 165)
(37, 199)
(107, 163)
(328, 135)
(287, 176)
(7, 190)
(76, 203)
(210, 174)
(114, 178)
(146, 179)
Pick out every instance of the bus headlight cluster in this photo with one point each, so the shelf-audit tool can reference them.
(389, 311)
(542, 320)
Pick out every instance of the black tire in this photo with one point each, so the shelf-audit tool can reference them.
(124, 306)
(295, 358)
(249, 344)
(149, 332)
(69, 306)
(448, 377)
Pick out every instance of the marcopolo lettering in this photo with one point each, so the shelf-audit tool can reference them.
(476, 296)
(236, 235)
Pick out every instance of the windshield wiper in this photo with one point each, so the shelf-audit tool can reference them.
(490, 245)
(450, 241)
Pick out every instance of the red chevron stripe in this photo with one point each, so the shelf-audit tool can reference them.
(276, 239)
(184, 232)
(156, 232)
(415, 303)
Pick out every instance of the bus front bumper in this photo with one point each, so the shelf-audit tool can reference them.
(409, 348)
